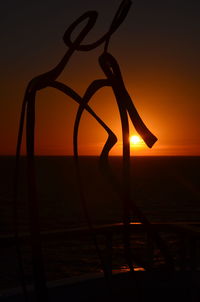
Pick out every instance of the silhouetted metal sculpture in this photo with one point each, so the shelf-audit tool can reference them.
(126, 108)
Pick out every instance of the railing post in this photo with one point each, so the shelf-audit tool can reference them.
(108, 253)
(193, 253)
(149, 249)
(182, 253)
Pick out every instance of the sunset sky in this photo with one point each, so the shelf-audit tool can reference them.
(157, 48)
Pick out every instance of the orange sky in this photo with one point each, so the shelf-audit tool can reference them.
(160, 66)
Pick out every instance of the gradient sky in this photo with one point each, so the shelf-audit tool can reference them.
(157, 47)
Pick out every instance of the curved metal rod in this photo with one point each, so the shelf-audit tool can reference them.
(117, 21)
(48, 79)
(119, 17)
(40, 82)
(96, 85)
(111, 69)
(83, 105)
(104, 155)
(37, 83)
(30, 146)
(91, 90)
(29, 104)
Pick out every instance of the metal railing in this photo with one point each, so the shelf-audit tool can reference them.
(184, 246)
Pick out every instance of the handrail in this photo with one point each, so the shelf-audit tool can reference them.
(187, 234)
(189, 228)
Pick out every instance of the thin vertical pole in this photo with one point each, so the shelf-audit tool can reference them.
(37, 257)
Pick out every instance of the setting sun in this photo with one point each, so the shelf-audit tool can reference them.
(135, 140)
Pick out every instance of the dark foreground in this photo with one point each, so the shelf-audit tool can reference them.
(140, 286)
(165, 189)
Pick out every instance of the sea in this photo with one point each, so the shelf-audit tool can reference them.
(165, 189)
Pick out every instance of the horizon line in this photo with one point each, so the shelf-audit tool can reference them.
(88, 155)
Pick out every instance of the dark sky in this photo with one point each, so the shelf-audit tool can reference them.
(157, 47)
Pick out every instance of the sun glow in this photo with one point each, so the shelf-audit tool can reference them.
(135, 140)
